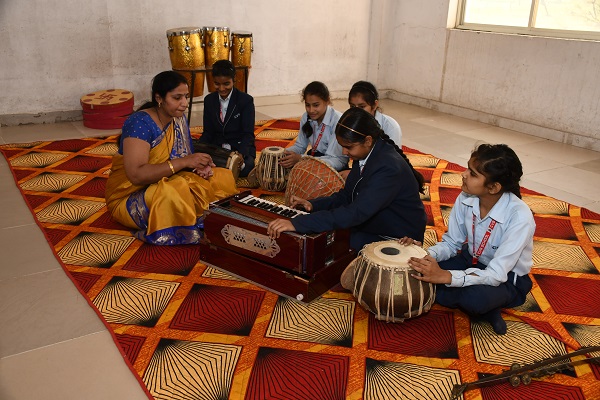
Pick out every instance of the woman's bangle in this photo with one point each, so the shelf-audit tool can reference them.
(171, 166)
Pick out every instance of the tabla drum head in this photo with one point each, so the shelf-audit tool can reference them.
(273, 150)
(390, 253)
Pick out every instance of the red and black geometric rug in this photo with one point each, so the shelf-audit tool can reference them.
(191, 331)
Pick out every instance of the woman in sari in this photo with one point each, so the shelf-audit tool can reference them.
(158, 185)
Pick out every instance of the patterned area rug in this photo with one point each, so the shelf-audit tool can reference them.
(190, 331)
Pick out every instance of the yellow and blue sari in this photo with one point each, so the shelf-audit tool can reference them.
(168, 212)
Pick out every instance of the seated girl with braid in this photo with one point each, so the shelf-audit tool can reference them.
(380, 199)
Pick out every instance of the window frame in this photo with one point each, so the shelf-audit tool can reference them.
(529, 30)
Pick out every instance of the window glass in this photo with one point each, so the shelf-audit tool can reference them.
(576, 15)
(497, 12)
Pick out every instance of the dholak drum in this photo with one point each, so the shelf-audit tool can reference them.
(186, 52)
(229, 159)
(311, 178)
(270, 175)
(383, 283)
(216, 47)
(242, 47)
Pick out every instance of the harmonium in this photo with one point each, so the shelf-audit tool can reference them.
(300, 266)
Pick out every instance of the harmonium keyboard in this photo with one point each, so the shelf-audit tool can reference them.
(302, 266)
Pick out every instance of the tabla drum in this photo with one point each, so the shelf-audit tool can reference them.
(269, 173)
(216, 47)
(242, 47)
(186, 52)
(311, 178)
(383, 283)
(223, 158)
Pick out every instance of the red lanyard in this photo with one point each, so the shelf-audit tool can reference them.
(484, 241)
(318, 139)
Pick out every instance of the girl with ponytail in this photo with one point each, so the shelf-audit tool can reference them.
(380, 199)
(317, 127)
(483, 261)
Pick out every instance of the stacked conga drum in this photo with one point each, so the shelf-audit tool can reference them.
(106, 109)
(197, 49)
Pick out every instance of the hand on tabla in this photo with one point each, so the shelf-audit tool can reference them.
(289, 159)
(408, 241)
(277, 226)
(428, 270)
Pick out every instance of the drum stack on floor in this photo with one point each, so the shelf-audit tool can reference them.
(197, 49)
(106, 109)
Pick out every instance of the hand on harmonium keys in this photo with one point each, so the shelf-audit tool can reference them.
(300, 204)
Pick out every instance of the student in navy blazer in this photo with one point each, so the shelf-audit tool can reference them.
(380, 199)
(229, 116)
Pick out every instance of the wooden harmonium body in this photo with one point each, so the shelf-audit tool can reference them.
(298, 265)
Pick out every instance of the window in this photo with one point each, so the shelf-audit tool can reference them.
(561, 18)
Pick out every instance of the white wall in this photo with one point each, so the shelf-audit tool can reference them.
(52, 52)
(547, 87)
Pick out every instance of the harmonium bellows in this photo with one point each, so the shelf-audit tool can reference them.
(236, 240)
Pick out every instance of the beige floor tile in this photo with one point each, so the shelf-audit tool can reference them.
(571, 180)
(405, 112)
(560, 152)
(89, 132)
(494, 134)
(533, 164)
(89, 367)
(592, 166)
(25, 252)
(286, 110)
(450, 123)
(32, 133)
(41, 309)
(579, 199)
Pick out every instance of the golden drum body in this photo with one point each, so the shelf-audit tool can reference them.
(216, 47)
(242, 46)
(186, 52)
(383, 283)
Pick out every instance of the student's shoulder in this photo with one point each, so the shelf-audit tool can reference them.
(243, 97)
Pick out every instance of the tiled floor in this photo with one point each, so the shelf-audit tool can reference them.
(53, 345)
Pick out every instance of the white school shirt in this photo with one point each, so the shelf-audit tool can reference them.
(510, 245)
(328, 144)
(390, 127)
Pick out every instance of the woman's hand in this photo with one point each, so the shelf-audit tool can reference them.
(205, 172)
(297, 202)
(408, 241)
(289, 159)
(199, 161)
(279, 225)
(428, 270)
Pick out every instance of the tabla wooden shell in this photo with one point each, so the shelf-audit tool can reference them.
(383, 283)
(269, 173)
(311, 178)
